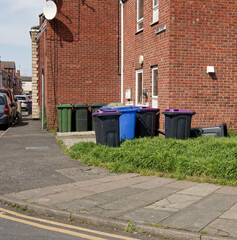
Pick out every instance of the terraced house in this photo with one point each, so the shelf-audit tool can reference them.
(158, 53)
(182, 54)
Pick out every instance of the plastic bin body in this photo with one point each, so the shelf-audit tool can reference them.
(177, 123)
(127, 120)
(94, 108)
(81, 117)
(147, 122)
(214, 131)
(29, 106)
(107, 127)
(64, 117)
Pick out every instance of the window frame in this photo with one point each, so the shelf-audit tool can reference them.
(140, 20)
(155, 10)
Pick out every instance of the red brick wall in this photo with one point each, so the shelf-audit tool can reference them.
(203, 33)
(154, 48)
(199, 34)
(81, 58)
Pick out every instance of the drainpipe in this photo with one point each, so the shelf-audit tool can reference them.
(42, 99)
(121, 2)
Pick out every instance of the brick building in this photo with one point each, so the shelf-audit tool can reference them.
(164, 48)
(10, 77)
(79, 52)
(168, 46)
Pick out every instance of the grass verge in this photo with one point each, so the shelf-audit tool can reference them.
(204, 159)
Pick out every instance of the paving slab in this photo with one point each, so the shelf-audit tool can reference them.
(83, 204)
(198, 215)
(222, 227)
(152, 195)
(133, 202)
(70, 141)
(231, 213)
(201, 189)
(104, 187)
(33, 193)
(181, 184)
(154, 182)
(115, 194)
(227, 190)
(75, 134)
(61, 197)
(174, 202)
(145, 216)
(84, 173)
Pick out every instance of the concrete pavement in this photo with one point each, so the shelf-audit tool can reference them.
(47, 181)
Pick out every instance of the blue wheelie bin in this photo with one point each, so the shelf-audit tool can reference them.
(127, 120)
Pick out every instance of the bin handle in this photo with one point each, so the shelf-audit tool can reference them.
(175, 110)
(109, 111)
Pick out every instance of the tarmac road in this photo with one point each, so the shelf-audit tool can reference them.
(15, 225)
(30, 159)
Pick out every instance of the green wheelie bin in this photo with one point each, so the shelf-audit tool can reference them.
(64, 117)
(81, 117)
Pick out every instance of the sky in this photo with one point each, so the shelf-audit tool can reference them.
(16, 19)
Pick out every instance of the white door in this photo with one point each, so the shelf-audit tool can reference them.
(139, 87)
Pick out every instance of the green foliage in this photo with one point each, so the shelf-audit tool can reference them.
(24, 208)
(130, 228)
(231, 133)
(63, 146)
(53, 132)
(204, 159)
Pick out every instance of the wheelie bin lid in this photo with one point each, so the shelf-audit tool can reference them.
(64, 105)
(100, 113)
(80, 105)
(147, 109)
(97, 104)
(121, 109)
(177, 112)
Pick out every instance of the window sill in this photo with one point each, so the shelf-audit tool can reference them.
(154, 23)
(142, 105)
(139, 31)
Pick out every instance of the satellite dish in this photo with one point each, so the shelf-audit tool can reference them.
(50, 10)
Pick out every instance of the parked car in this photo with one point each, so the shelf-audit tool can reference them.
(6, 110)
(24, 101)
(10, 94)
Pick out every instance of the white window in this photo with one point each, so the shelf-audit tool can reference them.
(139, 87)
(155, 87)
(155, 11)
(139, 15)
